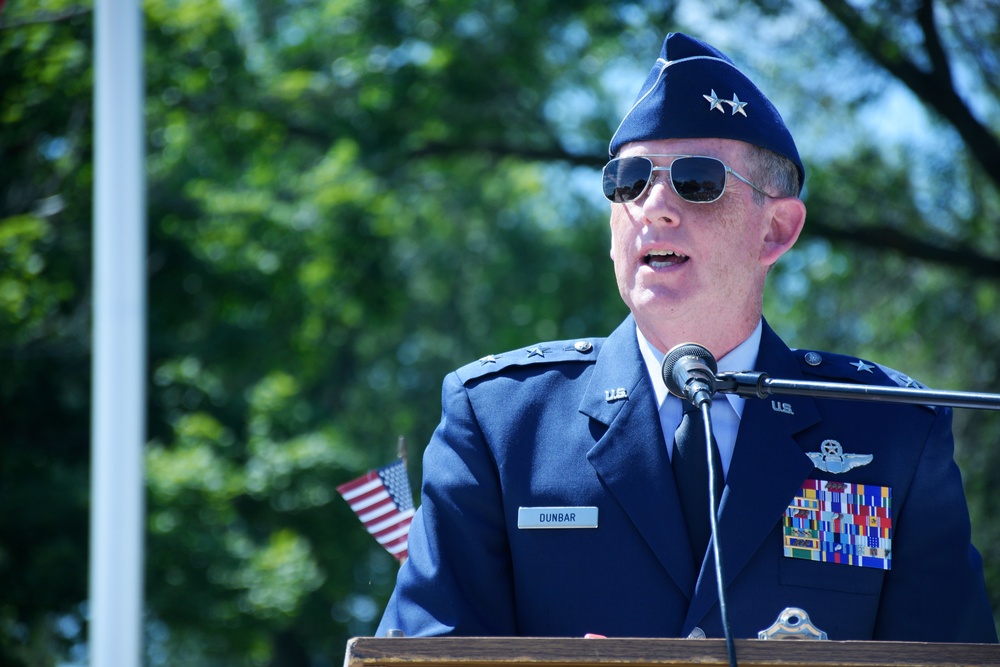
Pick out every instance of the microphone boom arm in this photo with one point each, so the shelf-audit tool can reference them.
(754, 384)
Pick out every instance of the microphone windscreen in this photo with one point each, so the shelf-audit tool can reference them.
(685, 355)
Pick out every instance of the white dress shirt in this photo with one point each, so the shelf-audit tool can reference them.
(726, 414)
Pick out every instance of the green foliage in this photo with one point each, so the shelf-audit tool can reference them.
(347, 200)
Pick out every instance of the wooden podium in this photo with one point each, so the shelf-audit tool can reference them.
(573, 652)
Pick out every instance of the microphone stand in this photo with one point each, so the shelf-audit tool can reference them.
(689, 372)
(706, 413)
(755, 384)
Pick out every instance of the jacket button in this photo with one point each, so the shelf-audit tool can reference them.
(814, 358)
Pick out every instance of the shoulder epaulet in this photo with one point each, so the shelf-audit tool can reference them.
(553, 352)
(842, 368)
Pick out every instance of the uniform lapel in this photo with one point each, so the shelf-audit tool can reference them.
(630, 455)
(767, 469)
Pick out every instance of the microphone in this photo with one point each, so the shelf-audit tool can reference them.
(689, 372)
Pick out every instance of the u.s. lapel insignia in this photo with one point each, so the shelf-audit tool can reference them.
(612, 395)
(831, 458)
(784, 408)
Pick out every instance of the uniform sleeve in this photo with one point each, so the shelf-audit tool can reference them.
(935, 590)
(457, 579)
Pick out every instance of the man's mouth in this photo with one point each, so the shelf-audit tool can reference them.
(658, 259)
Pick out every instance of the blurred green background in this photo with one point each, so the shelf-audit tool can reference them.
(349, 198)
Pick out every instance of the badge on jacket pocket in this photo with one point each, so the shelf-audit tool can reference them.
(837, 522)
(557, 517)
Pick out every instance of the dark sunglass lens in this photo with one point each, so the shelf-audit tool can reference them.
(626, 178)
(698, 179)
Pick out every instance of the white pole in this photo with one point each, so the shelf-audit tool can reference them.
(118, 390)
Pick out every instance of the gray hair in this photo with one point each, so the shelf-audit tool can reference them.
(773, 173)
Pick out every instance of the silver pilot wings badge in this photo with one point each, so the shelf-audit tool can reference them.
(831, 458)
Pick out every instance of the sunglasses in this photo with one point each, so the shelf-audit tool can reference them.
(695, 178)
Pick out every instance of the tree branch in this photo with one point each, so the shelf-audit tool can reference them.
(883, 238)
(880, 238)
(44, 17)
(934, 89)
(500, 150)
(940, 65)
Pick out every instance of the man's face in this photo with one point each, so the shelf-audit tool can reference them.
(677, 261)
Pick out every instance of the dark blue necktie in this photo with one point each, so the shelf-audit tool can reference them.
(690, 464)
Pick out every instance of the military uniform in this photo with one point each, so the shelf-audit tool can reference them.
(549, 508)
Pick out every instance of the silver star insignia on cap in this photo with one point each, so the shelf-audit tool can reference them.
(714, 102)
(737, 106)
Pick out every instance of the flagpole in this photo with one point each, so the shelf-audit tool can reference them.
(118, 384)
(401, 451)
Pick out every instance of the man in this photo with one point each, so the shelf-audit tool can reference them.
(554, 500)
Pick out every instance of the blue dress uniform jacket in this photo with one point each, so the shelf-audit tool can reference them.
(548, 426)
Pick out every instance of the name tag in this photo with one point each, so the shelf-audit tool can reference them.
(557, 517)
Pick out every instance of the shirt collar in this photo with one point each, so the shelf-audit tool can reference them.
(742, 358)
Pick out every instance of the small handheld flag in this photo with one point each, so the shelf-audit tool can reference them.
(383, 501)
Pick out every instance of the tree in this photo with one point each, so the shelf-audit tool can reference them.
(349, 199)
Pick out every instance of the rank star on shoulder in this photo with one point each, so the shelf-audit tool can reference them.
(862, 366)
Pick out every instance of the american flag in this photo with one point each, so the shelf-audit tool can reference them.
(383, 501)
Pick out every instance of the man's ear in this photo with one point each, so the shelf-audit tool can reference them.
(786, 216)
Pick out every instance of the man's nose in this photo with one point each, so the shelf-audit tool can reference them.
(660, 202)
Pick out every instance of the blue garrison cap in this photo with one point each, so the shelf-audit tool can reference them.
(694, 91)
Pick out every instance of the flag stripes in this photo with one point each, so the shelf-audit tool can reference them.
(383, 502)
